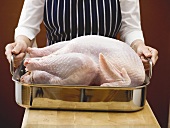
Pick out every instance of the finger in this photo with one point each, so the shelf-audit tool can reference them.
(9, 47)
(154, 56)
(8, 56)
(18, 59)
(146, 66)
(146, 52)
(144, 59)
(17, 49)
(8, 50)
(154, 60)
(19, 56)
(145, 63)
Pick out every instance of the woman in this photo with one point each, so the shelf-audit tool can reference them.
(67, 19)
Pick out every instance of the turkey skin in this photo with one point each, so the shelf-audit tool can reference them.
(86, 60)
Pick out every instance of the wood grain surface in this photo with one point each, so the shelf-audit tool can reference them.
(85, 119)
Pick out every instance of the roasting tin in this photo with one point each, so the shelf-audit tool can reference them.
(78, 97)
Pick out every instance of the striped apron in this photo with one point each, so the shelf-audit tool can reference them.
(67, 19)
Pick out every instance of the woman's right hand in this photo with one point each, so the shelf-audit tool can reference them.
(18, 48)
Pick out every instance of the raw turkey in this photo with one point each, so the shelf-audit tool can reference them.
(86, 60)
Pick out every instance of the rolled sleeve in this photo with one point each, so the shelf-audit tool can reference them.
(131, 23)
(28, 32)
(129, 37)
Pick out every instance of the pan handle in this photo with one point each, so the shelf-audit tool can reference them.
(150, 68)
(12, 64)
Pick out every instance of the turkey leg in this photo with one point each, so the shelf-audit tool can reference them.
(71, 68)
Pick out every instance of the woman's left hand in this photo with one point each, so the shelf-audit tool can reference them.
(145, 52)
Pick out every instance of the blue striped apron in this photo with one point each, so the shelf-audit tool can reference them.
(67, 19)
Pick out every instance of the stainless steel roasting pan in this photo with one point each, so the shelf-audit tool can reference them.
(78, 97)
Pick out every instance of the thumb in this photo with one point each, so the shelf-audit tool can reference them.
(17, 49)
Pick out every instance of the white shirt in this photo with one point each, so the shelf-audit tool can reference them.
(32, 16)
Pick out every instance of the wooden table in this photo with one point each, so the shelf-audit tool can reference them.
(83, 119)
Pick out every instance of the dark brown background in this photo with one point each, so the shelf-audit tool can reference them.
(156, 26)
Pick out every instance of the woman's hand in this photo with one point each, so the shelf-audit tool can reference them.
(18, 48)
(145, 52)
